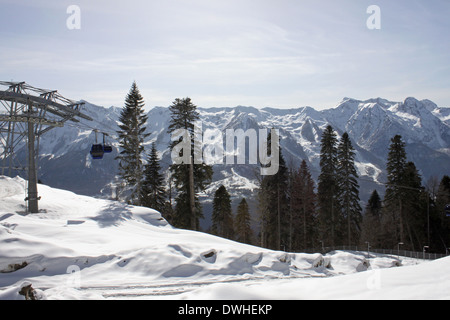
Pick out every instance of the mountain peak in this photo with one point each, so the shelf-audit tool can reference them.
(347, 99)
(411, 101)
(417, 108)
(246, 109)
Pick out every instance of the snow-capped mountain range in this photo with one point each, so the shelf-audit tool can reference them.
(64, 159)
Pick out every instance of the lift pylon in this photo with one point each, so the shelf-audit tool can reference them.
(26, 113)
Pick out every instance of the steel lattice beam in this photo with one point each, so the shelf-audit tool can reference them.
(26, 111)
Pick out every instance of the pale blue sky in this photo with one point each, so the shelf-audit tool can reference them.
(283, 53)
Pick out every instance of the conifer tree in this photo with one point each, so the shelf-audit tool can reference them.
(371, 225)
(264, 211)
(396, 164)
(374, 204)
(243, 229)
(187, 214)
(443, 216)
(405, 200)
(443, 198)
(327, 188)
(131, 141)
(303, 209)
(348, 190)
(153, 194)
(222, 216)
(274, 206)
(393, 222)
(414, 206)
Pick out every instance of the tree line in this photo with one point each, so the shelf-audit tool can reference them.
(412, 215)
(293, 212)
(294, 215)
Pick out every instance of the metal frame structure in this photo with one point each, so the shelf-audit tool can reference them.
(26, 113)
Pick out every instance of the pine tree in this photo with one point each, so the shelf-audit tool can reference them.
(222, 216)
(443, 197)
(274, 206)
(327, 188)
(243, 229)
(374, 204)
(131, 141)
(348, 190)
(396, 164)
(442, 220)
(371, 225)
(264, 210)
(405, 200)
(153, 194)
(303, 209)
(393, 221)
(414, 206)
(187, 214)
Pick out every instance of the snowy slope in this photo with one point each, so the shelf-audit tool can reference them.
(79, 247)
(427, 281)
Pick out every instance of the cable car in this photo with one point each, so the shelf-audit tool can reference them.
(106, 147)
(97, 150)
(447, 210)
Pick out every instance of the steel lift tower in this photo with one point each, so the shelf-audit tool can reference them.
(26, 113)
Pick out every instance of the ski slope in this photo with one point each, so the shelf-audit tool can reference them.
(80, 247)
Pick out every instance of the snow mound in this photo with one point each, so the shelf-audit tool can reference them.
(11, 187)
(78, 247)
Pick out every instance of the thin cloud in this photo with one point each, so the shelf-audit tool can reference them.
(279, 53)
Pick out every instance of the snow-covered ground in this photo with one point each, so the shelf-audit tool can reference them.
(80, 247)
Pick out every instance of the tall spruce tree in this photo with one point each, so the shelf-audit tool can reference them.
(414, 206)
(303, 210)
(242, 223)
(371, 224)
(264, 210)
(394, 199)
(222, 216)
(348, 191)
(188, 183)
(131, 142)
(153, 194)
(274, 206)
(442, 216)
(327, 188)
(443, 195)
